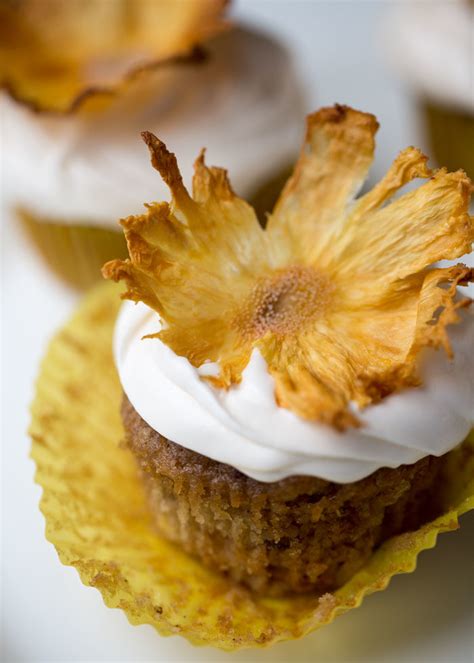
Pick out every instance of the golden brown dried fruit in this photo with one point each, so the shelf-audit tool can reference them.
(336, 293)
(56, 54)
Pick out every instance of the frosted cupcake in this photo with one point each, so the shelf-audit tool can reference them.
(291, 355)
(430, 45)
(297, 398)
(72, 159)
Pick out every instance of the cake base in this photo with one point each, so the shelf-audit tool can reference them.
(300, 534)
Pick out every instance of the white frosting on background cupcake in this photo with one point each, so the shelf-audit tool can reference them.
(245, 428)
(430, 44)
(243, 103)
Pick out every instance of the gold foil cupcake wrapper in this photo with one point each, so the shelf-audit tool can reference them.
(97, 518)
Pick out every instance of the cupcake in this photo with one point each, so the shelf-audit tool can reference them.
(296, 400)
(265, 347)
(72, 159)
(430, 46)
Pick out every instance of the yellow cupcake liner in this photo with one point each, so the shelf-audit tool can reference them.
(97, 518)
(74, 252)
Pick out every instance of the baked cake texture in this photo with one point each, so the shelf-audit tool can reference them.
(300, 534)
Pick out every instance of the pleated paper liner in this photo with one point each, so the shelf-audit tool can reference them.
(75, 253)
(97, 518)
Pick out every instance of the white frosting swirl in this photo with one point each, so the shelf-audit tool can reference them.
(243, 103)
(431, 45)
(244, 427)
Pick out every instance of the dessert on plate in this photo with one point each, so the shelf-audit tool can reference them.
(298, 398)
(94, 74)
(430, 46)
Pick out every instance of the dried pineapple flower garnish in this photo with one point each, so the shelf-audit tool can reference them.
(54, 54)
(336, 293)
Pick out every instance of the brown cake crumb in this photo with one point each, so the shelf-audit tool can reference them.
(300, 534)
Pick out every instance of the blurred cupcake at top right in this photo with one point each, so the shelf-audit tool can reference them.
(431, 46)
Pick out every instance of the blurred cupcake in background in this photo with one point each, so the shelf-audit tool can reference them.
(431, 46)
(82, 79)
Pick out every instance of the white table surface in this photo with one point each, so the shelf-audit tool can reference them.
(46, 613)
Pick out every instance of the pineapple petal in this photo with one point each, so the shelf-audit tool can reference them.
(386, 330)
(363, 353)
(333, 164)
(193, 261)
(407, 235)
(409, 164)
